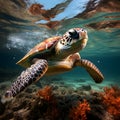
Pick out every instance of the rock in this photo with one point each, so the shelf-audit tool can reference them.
(2, 107)
(85, 87)
(98, 113)
(30, 106)
(4, 85)
(80, 80)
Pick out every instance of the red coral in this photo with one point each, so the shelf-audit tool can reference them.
(111, 99)
(79, 112)
(46, 93)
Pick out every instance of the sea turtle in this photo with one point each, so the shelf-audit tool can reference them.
(54, 55)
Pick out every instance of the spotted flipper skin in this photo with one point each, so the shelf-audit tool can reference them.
(27, 77)
(93, 71)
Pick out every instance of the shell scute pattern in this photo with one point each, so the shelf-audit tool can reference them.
(38, 49)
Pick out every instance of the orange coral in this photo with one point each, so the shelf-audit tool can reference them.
(51, 109)
(79, 112)
(46, 93)
(111, 99)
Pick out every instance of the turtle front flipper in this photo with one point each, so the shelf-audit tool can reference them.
(27, 77)
(93, 71)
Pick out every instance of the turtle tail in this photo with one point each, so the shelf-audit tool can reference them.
(27, 77)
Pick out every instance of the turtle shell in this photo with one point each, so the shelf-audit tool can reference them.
(38, 49)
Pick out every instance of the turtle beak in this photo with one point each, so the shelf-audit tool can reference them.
(82, 38)
(78, 34)
(82, 33)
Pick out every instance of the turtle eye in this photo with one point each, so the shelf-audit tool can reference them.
(82, 29)
(73, 34)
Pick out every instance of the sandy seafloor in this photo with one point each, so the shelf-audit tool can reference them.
(64, 95)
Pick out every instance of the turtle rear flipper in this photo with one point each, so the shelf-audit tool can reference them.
(27, 77)
(93, 71)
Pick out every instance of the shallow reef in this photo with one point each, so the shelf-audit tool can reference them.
(54, 103)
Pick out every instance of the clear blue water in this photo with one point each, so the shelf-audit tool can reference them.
(18, 36)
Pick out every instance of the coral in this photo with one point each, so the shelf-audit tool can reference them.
(50, 102)
(46, 93)
(79, 112)
(111, 100)
(52, 112)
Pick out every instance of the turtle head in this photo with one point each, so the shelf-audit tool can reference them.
(73, 40)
